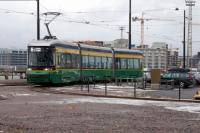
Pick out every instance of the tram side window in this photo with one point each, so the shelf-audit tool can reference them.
(104, 63)
(140, 63)
(136, 64)
(123, 63)
(91, 62)
(66, 61)
(68, 58)
(75, 61)
(85, 61)
(98, 63)
(58, 60)
(130, 63)
(109, 63)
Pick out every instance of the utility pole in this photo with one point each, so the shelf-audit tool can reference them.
(38, 19)
(184, 41)
(122, 30)
(129, 38)
(190, 4)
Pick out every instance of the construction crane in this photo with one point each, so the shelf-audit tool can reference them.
(190, 4)
(122, 30)
(142, 19)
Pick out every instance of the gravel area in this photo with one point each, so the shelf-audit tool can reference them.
(25, 110)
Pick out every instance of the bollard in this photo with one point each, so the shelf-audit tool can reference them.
(88, 85)
(6, 76)
(21, 76)
(145, 83)
(12, 74)
(134, 88)
(105, 88)
(120, 81)
(93, 80)
(81, 84)
(179, 92)
(132, 81)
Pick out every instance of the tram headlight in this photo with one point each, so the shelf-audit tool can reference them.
(29, 69)
(48, 69)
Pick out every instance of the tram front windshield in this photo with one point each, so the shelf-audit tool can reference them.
(40, 56)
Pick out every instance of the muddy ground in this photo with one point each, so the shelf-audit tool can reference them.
(24, 110)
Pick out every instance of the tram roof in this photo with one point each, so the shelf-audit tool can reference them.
(85, 46)
(50, 43)
(62, 43)
(120, 50)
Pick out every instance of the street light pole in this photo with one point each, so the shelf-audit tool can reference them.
(183, 36)
(184, 41)
(129, 38)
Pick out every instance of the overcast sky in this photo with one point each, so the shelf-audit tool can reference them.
(18, 24)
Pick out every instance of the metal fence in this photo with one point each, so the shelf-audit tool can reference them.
(136, 88)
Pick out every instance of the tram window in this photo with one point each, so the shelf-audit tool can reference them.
(130, 63)
(109, 63)
(75, 61)
(98, 63)
(62, 61)
(141, 64)
(58, 59)
(124, 63)
(91, 62)
(136, 63)
(68, 58)
(104, 61)
(85, 61)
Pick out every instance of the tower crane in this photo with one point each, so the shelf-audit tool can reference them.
(142, 20)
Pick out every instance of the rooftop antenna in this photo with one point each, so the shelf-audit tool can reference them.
(49, 17)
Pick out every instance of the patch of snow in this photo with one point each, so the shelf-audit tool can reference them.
(3, 97)
(110, 88)
(177, 106)
(188, 108)
(23, 94)
(49, 102)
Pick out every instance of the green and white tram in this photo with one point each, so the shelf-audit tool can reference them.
(57, 62)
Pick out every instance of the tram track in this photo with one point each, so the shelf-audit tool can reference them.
(46, 90)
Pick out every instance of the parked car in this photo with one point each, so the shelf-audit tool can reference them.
(181, 76)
